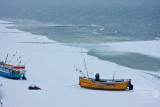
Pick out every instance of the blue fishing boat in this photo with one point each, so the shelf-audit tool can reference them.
(12, 71)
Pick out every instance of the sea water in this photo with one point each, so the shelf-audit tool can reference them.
(89, 23)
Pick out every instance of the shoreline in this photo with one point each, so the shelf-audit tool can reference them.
(122, 46)
(146, 51)
(51, 68)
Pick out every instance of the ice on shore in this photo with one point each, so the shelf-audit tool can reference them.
(51, 68)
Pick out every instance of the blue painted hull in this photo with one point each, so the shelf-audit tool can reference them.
(10, 75)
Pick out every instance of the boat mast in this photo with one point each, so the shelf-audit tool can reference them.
(114, 75)
(6, 59)
(86, 67)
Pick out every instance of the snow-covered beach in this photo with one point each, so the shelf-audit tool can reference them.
(51, 68)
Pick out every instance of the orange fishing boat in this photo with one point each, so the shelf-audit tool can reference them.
(106, 84)
(103, 84)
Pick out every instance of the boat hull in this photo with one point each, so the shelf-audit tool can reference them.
(11, 75)
(90, 83)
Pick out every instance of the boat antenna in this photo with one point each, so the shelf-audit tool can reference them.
(85, 67)
(91, 74)
(12, 57)
(114, 75)
(6, 59)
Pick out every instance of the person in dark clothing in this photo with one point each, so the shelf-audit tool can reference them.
(97, 76)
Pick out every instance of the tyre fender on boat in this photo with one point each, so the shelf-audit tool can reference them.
(130, 85)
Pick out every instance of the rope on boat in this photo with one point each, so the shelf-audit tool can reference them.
(12, 57)
(71, 85)
(80, 71)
